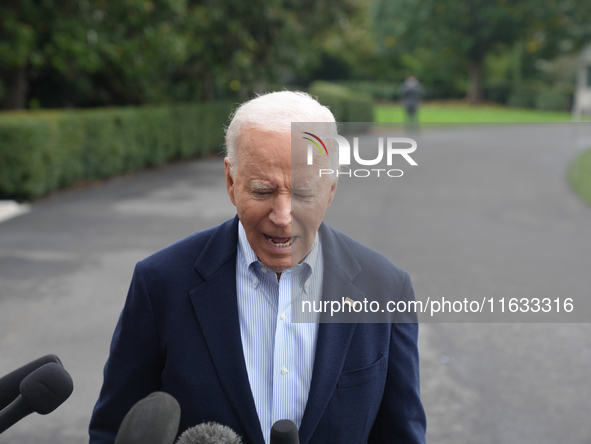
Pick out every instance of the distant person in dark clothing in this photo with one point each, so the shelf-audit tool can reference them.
(410, 94)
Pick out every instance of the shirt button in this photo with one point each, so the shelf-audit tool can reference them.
(255, 281)
(264, 270)
(282, 316)
(284, 371)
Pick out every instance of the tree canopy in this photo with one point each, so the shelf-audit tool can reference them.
(72, 53)
(464, 32)
(97, 52)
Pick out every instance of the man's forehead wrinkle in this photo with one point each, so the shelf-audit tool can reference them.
(319, 160)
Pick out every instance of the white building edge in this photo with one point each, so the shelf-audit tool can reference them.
(582, 102)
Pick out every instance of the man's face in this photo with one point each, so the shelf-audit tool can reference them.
(280, 218)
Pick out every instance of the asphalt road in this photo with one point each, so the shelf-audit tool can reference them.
(487, 212)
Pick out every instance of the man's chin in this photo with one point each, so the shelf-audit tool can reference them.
(279, 271)
(277, 266)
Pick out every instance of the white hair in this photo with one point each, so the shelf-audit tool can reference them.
(275, 112)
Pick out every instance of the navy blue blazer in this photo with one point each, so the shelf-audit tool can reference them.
(179, 332)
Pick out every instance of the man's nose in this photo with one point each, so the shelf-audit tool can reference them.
(281, 211)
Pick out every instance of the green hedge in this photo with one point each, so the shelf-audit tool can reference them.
(376, 89)
(346, 105)
(554, 101)
(524, 95)
(44, 151)
(532, 94)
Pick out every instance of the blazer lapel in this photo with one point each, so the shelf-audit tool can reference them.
(215, 304)
(340, 268)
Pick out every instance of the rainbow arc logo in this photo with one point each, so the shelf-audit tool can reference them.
(314, 142)
(388, 147)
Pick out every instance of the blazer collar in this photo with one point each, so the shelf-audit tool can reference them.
(220, 248)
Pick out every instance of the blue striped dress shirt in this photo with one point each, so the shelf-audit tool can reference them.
(279, 354)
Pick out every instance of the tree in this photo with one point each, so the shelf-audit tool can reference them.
(123, 45)
(99, 52)
(472, 29)
(247, 44)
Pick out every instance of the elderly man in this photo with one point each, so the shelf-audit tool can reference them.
(208, 319)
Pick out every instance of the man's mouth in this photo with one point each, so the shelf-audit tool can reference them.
(281, 242)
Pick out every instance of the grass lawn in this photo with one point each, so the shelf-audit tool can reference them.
(462, 113)
(579, 175)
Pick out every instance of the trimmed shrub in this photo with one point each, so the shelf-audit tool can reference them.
(44, 151)
(29, 158)
(524, 96)
(346, 105)
(498, 92)
(378, 90)
(534, 94)
(553, 101)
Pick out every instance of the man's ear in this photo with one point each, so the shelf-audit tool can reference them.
(333, 190)
(229, 180)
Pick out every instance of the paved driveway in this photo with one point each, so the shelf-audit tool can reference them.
(486, 212)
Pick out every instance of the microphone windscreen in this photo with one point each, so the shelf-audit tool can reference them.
(285, 431)
(152, 420)
(10, 384)
(46, 388)
(209, 433)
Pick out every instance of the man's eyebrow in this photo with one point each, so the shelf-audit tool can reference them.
(261, 186)
(304, 188)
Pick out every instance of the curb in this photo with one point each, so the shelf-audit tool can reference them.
(11, 208)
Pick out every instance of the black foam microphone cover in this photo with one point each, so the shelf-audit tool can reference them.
(152, 420)
(209, 433)
(42, 391)
(46, 388)
(284, 431)
(10, 384)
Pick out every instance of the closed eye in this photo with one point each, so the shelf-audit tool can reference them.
(302, 196)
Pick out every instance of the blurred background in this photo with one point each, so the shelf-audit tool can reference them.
(92, 73)
(91, 53)
(111, 140)
(138, 61)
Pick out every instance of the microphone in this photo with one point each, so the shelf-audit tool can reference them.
(9, 384)
(152, 420)
(285, 431)
(43, 391)
(209, 433)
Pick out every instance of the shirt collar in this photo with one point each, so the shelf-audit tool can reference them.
(247, 252)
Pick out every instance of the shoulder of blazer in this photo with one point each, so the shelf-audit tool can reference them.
(203, 251)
